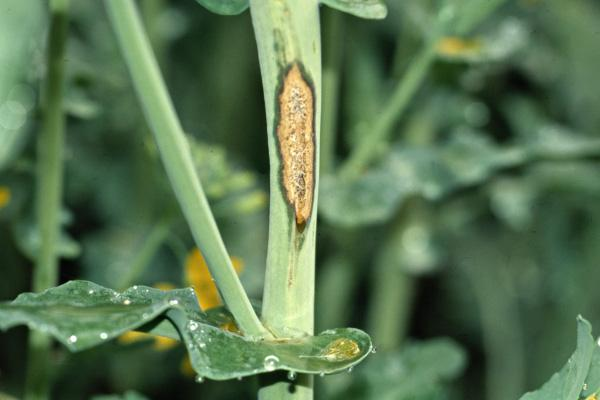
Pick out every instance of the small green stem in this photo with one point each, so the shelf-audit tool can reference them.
(392, 292)
(332, 60)
(144, 254)
(176, 156)
(370, 144)
(50, 152)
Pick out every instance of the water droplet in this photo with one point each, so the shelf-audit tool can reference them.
(199, 379)
(193, 325)
(103, 335)
(340, 350)
(585, 386)
(145, 316)
(135, 287)
(202, 345)
(72, 338)
(90, 292)
(173, 302)
(322, 374)
(127, 302)
(374, 350)
(598, 341)
(292, 375)
(350, 369)
(239, 378)
(271, 362)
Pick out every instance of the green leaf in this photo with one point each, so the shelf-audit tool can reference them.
(468, 158)
(220, 355)
(225, 7)
(81, 314)
(431, 172)
(231, 189)
(371, 9)
(418, 372)
(571, 380)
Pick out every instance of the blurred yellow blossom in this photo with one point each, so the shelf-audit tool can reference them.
(186, 367)
(164, 286)
(160, 343)
(198, 276)
(4, 196)
(452, 46)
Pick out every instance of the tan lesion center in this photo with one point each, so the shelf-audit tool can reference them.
(295, 133)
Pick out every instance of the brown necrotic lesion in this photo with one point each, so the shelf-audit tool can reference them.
(295, 133)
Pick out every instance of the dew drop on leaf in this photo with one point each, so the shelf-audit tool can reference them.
(173, 302)
(292, 375)
(103, 335)
(72, 339)
(271, 362)
(193, 325)
(199, 379)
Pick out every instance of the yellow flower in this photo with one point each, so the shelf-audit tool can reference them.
(4, 196)
(198, 276)
(160, 343)
(452, 46)
(186, 367)
(164, 286)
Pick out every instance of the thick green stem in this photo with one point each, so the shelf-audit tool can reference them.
(176, 156)
(49, 192)
(288, 40)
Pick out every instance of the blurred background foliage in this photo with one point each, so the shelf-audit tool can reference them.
(466, 246)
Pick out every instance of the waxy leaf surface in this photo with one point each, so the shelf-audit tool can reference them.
(81, 314)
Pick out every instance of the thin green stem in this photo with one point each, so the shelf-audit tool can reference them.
(157, 236)
(332, 61)
(289, 48)
(176, 156)
(49, 192)
(370, 144)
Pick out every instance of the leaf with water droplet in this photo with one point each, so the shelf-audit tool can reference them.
(219, 354)
(81, 314)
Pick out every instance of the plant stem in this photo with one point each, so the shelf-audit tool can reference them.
(371, 144)
(145, 252)
(332, 60)
(49, 192)
(288, 36)
(176, 156)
